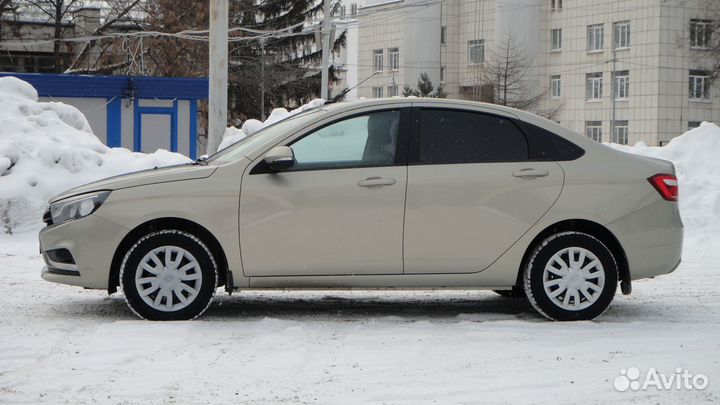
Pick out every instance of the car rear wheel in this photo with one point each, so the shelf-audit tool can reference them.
(571, 276)
(168, 275)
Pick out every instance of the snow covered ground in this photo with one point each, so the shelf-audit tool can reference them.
(61, 344)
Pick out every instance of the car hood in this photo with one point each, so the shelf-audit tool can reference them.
(142, 178)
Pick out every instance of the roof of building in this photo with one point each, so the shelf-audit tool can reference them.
(65, 85)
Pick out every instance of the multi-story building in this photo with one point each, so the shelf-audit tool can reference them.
(616, 70)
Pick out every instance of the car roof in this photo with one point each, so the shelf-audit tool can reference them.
(489, 107)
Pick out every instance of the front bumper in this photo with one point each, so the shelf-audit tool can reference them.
(652, 238)
(91, 241)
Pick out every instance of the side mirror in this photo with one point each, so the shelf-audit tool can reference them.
(280, 158)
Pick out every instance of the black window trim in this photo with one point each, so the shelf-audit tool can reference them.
(401, 153)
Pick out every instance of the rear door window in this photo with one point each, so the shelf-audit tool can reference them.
(446, 136)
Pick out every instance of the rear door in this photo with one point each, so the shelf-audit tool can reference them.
(472, 189)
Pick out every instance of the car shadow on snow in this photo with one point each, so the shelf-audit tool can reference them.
(409, 306)
(356, 305)
(477, 305)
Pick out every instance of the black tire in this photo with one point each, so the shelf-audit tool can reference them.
(539, 296)
(205, 272)
(516, 292)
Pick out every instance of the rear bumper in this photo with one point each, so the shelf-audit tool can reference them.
(652, 238)
(91, 241)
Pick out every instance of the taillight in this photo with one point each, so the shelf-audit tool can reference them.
(666, 185)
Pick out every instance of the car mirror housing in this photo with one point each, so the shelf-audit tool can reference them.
(280, 158)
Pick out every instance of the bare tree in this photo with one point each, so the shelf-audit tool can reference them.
(510, 77)
(508, 73)
(8, 11)
(707, 35)
(57, 12)
(119, 10)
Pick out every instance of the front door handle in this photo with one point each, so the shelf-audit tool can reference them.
(531, 173)
(376, 182)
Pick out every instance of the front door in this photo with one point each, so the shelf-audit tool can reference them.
(472, 191)
(337, 211)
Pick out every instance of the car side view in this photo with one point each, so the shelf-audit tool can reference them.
(382, 193)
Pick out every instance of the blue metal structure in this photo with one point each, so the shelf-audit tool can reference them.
(116, 88)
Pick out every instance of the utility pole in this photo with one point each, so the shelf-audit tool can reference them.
(613, 86)
(325, 51)
(262, 78)
(217, 96)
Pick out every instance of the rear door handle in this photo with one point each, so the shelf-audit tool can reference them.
(376, 182)
(528, 173)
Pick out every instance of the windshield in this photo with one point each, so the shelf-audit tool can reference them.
(246, 145)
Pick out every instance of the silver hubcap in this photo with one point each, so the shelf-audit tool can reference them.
(168, 278)
(573, 278)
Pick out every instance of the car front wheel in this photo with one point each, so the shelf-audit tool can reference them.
(168, 275)
(571, 276)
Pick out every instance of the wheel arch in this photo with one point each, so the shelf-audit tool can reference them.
(591, 228)
(180, 224)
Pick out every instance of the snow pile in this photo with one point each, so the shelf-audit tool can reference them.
(249, 127)
(47, 148)
(697, 163)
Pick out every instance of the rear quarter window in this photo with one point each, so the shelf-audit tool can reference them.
(546, 145)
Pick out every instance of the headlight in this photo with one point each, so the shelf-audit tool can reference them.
(77, 207)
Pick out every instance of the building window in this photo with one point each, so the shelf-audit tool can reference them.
(342, 11)
(378, 60)
(442, 74)
(620, 132)
(476, 51)
(699, 85)
(353, 9)
(556, 39)
(621, 85)
(700, 33)
(593, 130)
(377, 92)
(555, 5)
(555, 88)
(593, 86)
(394, 56)
(694, 124)
(393, 90)
(621, 34)
(595, 34)
(443, 35)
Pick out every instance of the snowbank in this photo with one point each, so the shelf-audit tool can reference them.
(251, 126)
(46, 148)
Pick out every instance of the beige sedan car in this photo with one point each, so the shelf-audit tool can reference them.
(383, 193)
